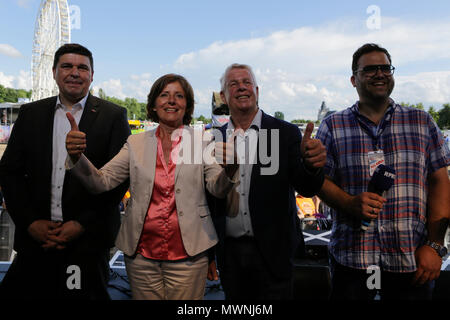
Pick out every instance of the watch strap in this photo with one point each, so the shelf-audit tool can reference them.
(440, 249)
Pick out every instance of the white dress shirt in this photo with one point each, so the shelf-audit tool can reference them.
(246, 147)
(61, 127)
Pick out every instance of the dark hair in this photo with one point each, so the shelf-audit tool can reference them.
(367, 48)
(73, 48)
(159, 86)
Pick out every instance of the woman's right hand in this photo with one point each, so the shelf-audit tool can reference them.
(75, 140)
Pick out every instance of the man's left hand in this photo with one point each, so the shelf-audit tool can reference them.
(313, 152)
(63, 235)
(428, 265)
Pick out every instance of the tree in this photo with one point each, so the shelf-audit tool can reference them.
(101, 94)
(299, 121)
(418, 106)
(444, 117)
(12, 95)
(434, 114)
(135, 110)
(203, 119)
(279, 115)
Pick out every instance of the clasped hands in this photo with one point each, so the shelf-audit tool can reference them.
(55, 235)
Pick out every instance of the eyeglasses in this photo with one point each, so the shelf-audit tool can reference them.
(372, 70)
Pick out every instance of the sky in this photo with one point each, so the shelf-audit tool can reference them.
(300, 51)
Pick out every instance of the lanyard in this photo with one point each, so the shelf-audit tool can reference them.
(374, 132)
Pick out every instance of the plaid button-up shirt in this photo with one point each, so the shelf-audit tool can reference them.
(414, 147)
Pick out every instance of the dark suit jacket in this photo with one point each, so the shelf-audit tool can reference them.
(272, 205)
(26, 168)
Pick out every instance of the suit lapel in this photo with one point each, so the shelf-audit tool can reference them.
(266, 124)
(150, 151)
(46, 144)
(47, 130)
(90, 112)
(187, 133)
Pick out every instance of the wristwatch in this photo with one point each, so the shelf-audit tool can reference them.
(440, 249)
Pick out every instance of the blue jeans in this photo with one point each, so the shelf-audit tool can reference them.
(351, 284)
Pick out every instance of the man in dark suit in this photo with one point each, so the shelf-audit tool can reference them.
(63, 233)
(258, 228)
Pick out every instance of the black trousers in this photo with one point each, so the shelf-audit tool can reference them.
(351, 284)
(53, 274)
(246, 276)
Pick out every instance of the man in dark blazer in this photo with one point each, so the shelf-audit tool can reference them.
(258, 228)
(62, 233)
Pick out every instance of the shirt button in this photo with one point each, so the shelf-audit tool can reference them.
(178, 191)
(180, 213)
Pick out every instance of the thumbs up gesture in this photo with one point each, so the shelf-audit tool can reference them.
(75, 140)
(225, 153)
(313, 152)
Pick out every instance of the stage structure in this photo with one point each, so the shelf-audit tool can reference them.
(52, 30)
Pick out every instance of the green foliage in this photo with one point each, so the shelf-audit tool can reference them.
(135, 110)
(279, 115)
(441, 117)
(434, 114)
(101, 94)
(417, 106)
(202, 119)
(444, 117)
(300, 121)
(12, 95)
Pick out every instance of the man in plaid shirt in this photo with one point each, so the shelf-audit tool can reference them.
(408, 222)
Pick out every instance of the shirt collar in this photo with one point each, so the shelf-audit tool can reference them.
(392, 106)
(255, 125)
(81, 103)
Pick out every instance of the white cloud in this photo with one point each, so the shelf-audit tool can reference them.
(9, 50)
(25, 3)
(21, 81)
(296, 70)
(432, 87)
(135, 86)
(112, 88)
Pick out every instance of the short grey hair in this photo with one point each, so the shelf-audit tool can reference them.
(236, 66)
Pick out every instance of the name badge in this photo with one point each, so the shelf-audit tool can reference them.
(375, 159)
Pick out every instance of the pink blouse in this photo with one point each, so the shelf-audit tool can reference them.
(161, 235)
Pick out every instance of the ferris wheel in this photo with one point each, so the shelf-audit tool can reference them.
(52, 30)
